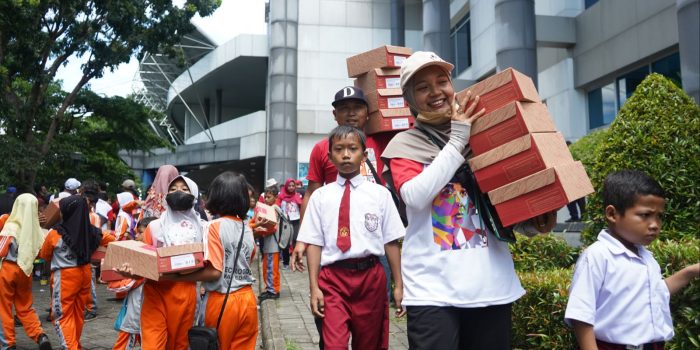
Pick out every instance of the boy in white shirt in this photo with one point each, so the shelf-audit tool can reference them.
(618, 298)
(347, 283)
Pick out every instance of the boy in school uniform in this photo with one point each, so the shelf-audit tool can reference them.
(618, 298)
(347, 283)
(270, 249)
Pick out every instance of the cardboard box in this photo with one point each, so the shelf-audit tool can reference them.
(386, 56)
(52, 213)
(521, 157)
(385, 99)
(98, 255)
(539, 193)
(503, 87)
(507, 123)
(266, 212)
(107, 273)
(150, 262)
(379, 78)
(385, 120)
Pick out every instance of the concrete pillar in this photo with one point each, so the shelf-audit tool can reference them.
(282, 90)
(515, 36)
(689, 45)
(398, 26)
(436, 28)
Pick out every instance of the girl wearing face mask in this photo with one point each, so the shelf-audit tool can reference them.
(459, 280)
(168, 308)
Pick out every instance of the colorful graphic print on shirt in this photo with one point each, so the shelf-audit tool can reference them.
(455, 221)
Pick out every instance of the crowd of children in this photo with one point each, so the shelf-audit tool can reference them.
(618, 297)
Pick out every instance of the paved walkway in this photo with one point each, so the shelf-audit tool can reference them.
(98, 333)
(292, 314)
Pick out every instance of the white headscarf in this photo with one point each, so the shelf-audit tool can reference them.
(179, 227)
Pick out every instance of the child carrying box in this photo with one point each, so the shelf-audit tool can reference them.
(130, 326)
(618, 298)
(347, 283)
(270, 250)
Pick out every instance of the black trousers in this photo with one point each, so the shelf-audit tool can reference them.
(452, 328)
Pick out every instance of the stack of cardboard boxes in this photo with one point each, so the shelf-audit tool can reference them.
(520, 159)
(377, 72)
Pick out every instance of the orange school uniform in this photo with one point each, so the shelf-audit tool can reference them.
(16, 290)
(239, 325)
(167, 312)
(70, 289)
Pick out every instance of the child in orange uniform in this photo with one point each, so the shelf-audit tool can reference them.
(168, 308)
(228, 199)
(20, 241)
(125, 226)
(130, 327)
(69, 246)
(270, 249)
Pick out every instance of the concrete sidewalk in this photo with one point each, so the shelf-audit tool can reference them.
(287, 322)
(98, 333)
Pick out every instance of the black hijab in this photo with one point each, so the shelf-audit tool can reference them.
(76, 231)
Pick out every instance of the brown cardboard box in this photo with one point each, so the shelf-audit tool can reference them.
(521, 157)
(150, 262)
(52, 213)
(539, 193)
(379, 78)
(385, 99)
(386, 56)
(501, 88)
(266, 212)
(385, 120)
(98, 255)
(507, 123)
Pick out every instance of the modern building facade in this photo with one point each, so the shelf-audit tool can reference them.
(262, 102)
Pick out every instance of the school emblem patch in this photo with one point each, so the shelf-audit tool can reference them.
(371, 222)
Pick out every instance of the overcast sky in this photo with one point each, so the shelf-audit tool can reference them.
(233, 17)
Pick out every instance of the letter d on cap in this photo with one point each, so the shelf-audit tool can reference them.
(348, 91)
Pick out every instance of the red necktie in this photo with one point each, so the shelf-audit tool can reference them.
(343, 240)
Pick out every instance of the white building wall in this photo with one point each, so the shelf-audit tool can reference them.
(566, 104)
(329, 32)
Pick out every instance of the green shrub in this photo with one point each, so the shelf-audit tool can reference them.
(538, 317)
(542, 252)
(685, 305)
(586, 148)
(657, 131)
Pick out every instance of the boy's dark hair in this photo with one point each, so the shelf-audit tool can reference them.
(90, 190)
(228, 195)
(343, 131)
(145, 221)
(621, 189)
(272, 189)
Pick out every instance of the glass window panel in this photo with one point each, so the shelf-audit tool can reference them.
(460, 39)
(670, 67)
(590, 3)
(627, 83)
(608, 98)
(595, 108)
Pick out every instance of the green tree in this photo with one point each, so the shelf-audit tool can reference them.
(88, 144)
(656, 131)
(38, 37)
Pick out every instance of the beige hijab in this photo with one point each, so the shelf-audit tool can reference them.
(23, 226)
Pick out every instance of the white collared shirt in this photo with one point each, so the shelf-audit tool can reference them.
(374, 220)
(621, 294)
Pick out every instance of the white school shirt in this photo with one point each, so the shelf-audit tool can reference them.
(374, 220)
(621, 294)
(477, 272)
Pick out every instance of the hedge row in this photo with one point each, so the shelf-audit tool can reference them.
(538, 317)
